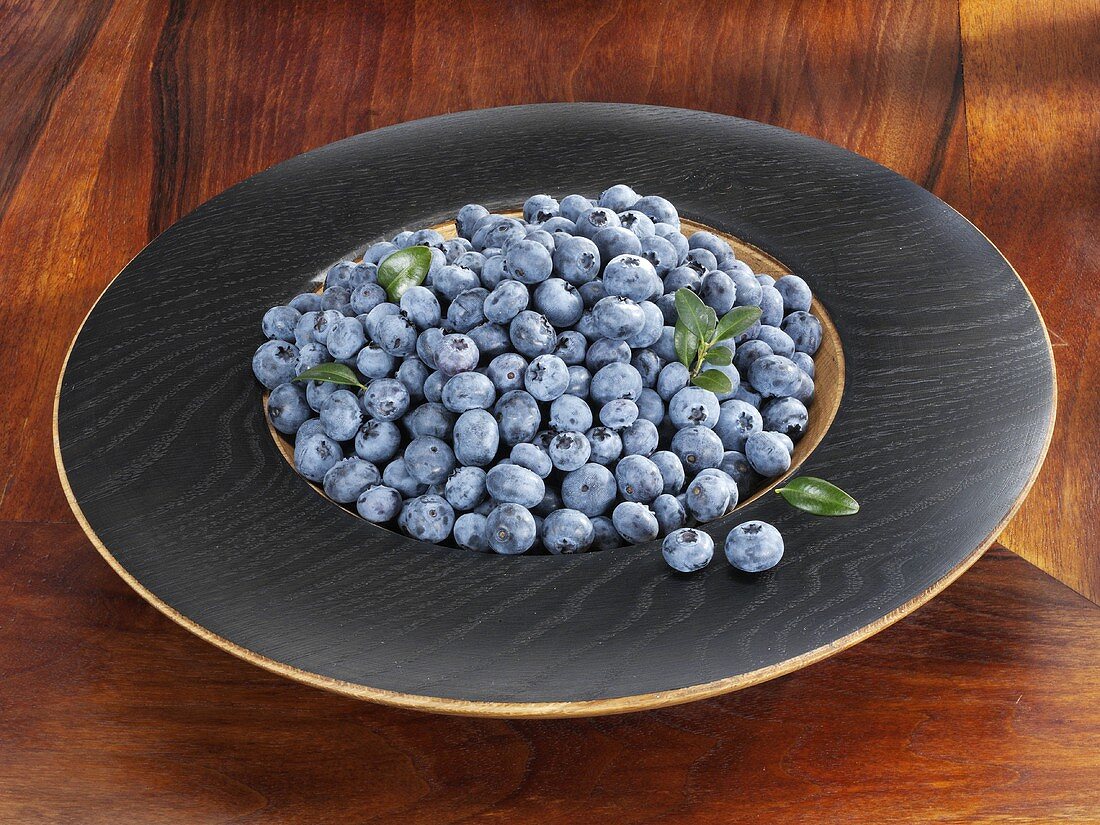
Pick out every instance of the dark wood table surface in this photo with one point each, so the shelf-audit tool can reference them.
(117, 118)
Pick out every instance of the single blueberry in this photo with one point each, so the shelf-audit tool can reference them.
(670, 512)
(737, 421)
(698, 448)
(618, 198)
(718, 292)
(476, 438)
(616, 240)
(397, 335)
(465, 489)
(467, 219)
(275, 363)
(532, 334)
(774, 376)
(518, 417)
(658, 210)
(534, 459)
(616, 380)
(590, 489)
(795, 292)
(469, 391)
(694, 407)
(539, 208)
(455, 354)
(510, 529)
(506, 371)
(279, 323)
(386, 399)
(688, 549)
(754, 546)
(379, 504)
(635, 522)
(427, 518)
(593, 220)
(491, 339)
(546, 378)
(348, 478)
(671, 469)
(431, 419)
(528, 261)
(767, 454)
(507, 300)
(567, 531)
(287, 409)
(316, 455)
(709, 496)
(570, 412)
(377, 441)
(471, 532)
(616, 414)
(569, 451)
(341, 415)
(785, 415)
(420, 306)
(804, 331)
(577, 260)
(637, 222)
(638, 479)
(572, 347)
(559, 302)
(640, 438)
(397, 476)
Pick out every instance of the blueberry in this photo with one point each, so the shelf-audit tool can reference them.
(749, 352)
(805, 390)
(386, 399)
(618, 198)
(467, 219)
(379, 504)
(616, 240)
(605, 536)
(559, 227)
(427, 518)
(747, 394)
(473, 261)
(591, 293)
(616, 380)
(754, 546)
(666, 346)
(532, 334)
(348, 478)
(580, 381)
(658, 210)
(767, 454)
(528, 261)
(688, 550)
(366, 297)
(491, 339)
(708, 496)
(779, 341)
(377, 441)
(341, 416)
(345, 338)
(531, 457)
(518, 417)
(335, 299)
(420, 305)
(694, 406)
(590, 489)
(471, 532)
(604, 351)
(433, 387)
(737, 421)
(427, 344)
(747, 289)
(737, 467)
(310, 427)
(376, 316)
(682, 277)
(510, 529)
(451, 281)
(456, 353)
(316, 455)
(607, 445)
(795, 292)
(672, 234)
(476, 438)
(635, 522)
(577, 260)
(397, 335)
(455, 248)
(698, 448)
(279, 323)
(492, 271)
(785, 415)
(672, 379)
(671, 469)
(718, 292)
(804, 361)
(507, 300)
(650, 406)
(618, 318)
(630, 276)
(539, 208)
(469, 391)
(317, 393)
(412, 373)
(569, 412)
(397, 475)
(496, 231)
(660, 253)
(344, 274)
(465, 489)
(701, 260)
(305, 302)
(567, 531)
(569, 451)
(638, 479)
(274, 363)
(506, 371)
(378, 252)
(774, 376)
(670, 512)
(771, 306)
(430, 419)
(593, 220)
(515, 484)
(287, 409)
(572, 206)
(637, 222)
(787, 442)
(640, 438)
(547, 377)
(804, 331)
(648, 364)
(559, 302)
(617, 414)
(571, 348)
(708, 240)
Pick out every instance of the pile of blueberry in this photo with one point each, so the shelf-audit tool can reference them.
(528, 395)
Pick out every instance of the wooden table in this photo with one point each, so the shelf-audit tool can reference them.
(115, 119)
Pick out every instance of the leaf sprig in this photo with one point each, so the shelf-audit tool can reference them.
(403, 269)
(699, 332)
(332, 373)
(818, 496)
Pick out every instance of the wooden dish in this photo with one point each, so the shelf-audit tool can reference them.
(828, 364)
(946, 413)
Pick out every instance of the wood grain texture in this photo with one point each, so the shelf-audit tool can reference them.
(1033, 114)
(982, 706)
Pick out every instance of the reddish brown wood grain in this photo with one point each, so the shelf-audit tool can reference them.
(984, 705)
(1033, 111)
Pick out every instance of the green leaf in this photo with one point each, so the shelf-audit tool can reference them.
(719, 356)
(817, 496)
(736, 321)
(695, 315)
(332, 373)
(714, 380)
(687, 345)
(403, 269)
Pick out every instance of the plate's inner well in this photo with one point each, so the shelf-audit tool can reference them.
(828, 366)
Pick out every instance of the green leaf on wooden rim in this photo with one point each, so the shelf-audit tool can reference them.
(403, 269)
(695, 315)
(332, 373)
(818, 496)
(719, 356)
(736, 321)
(714, 380)
(687, 345)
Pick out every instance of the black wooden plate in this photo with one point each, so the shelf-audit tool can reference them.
(946, 414)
